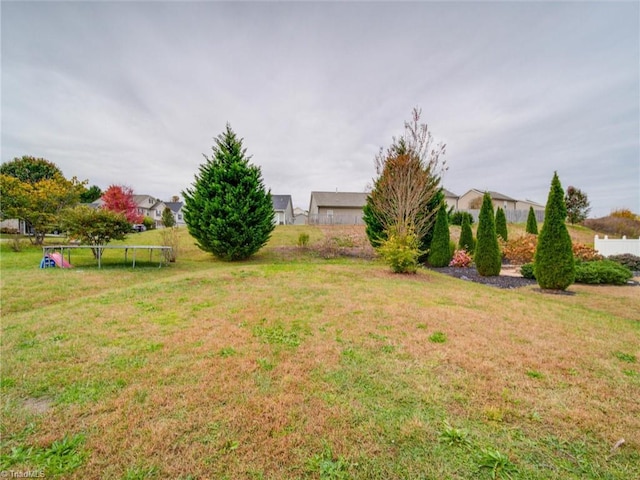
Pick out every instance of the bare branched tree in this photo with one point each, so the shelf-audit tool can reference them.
(409, 174)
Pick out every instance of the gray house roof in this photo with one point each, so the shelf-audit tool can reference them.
(340, 199)
(281, 202)
(449, 193)
(496, 195)
(174, 206)
(500, 196)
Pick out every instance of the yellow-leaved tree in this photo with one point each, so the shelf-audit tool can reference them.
(36, 191)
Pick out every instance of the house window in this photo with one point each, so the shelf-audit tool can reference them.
(179, 216)
(158, 214)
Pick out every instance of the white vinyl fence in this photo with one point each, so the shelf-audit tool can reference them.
(614, 246)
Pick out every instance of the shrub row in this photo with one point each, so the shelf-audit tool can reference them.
(597, 272)
(521, 250)
(602, 272)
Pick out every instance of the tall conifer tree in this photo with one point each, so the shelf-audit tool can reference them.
(487, 257)
(501, 224)
(440, 253)
(554, 265)
(532, 223)
(466, 235)
(228, 211)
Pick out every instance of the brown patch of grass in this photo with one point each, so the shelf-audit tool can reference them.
(363, 380)
(37, 405)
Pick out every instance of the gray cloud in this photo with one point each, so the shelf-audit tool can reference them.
(135, 92)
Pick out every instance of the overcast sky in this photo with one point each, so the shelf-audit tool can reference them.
(133, 93)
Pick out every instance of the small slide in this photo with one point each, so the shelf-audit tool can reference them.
(59, 260)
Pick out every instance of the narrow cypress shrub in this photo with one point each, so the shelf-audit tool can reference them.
(554, 265)
(532, 223)
(487, 257)
(466, 236)
(440, 253)
(501, 224)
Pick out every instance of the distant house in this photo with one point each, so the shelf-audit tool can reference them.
(151, 207)
(472, 200)
(337, 208)
(283, 207)
(525, 204)
(451, 199)
(300, 216)
(515, 210)
(14, 225)
(176, 210)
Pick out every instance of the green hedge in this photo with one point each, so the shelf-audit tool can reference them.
(602, 272)
(598, 272)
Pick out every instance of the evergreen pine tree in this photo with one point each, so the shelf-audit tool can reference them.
(228, 210)
(466, 235)
(554, 265)
(532, 223)
(501, 224)
(487, 257)
(440, 253)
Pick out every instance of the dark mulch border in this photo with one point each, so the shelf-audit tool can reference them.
(505, 281)
(471, 274)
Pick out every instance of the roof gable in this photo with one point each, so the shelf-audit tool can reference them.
(449, 194)
(174, 206)
(144, 201)
(494, 195)
(281, 202)
(340, 199)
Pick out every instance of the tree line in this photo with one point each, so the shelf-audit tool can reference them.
(228, 209)
(36, 191)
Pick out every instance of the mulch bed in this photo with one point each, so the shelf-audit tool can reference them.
(471, 274)
(502, 281)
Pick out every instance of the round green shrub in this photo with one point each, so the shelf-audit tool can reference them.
(602, 272)
(303, 239)
(149, 223)
(400, 252)
(457, 218)
(526, 271)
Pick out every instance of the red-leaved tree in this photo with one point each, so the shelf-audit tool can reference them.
(119, 198)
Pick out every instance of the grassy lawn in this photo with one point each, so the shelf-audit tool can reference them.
(297, 364)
